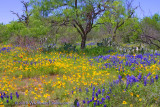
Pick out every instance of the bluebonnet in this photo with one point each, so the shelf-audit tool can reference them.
(108, 97)
(2, 97)
(93, 88)
(11, 97)
(133, 68)
(98, 102)
(94, 104)
(17, 94)
(145, 82)
(92, 98)
(149, 74)
(156, 77)
(110, 90)
(92, 93)
(80, 90)
(152, 80)
(77, 104)
(120, 77)
(139, 76)
(97, 95)
(87, 90)
(99, 91)
(103, 91)
(103, 99)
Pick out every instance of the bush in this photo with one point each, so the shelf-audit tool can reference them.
(95, 51)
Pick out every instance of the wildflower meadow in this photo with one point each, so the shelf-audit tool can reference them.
(79, 53)
(70, 79)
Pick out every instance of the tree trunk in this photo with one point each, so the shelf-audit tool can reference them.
(83, 42)
(113, 37)
(114, 34)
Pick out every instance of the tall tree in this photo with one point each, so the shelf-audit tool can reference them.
(117, 15)
(81, 14)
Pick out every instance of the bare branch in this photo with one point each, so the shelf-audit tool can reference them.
(148, 40)
(20, 19)
(26, 14)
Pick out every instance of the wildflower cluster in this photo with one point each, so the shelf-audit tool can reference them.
(68, 76)
(105, 96)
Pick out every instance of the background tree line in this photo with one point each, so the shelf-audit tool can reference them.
(71, 21)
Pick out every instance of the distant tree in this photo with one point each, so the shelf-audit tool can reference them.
(3, 33)
(117, 15)
(130, 31)
(151, 30)
(81, 14)
(28, 26)
(26, 13)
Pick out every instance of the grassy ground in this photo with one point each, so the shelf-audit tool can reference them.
(63, 77)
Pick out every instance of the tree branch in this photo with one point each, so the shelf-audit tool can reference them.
(20, 19)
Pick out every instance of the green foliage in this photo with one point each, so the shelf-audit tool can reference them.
(95, 51)
(80, 14)
(114, 19)
(67, 48)
(151, 29)
(48, 48)
(114, 15)
(130, 30)
(153, 21)
(4, 36)
(36, 28)
(15, 28)
(10, 101)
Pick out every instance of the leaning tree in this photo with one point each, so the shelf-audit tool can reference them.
(150, 27)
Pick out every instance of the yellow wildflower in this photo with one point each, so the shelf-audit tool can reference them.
(124, 102)
(137, 95)
(131, 94)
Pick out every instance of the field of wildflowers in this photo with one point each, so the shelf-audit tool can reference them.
(69, 79)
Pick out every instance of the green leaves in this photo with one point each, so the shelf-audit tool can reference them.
(116, 3)
(131, 29)
(69, 13)
(153, 21)
(38, 28)
(15, 27)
